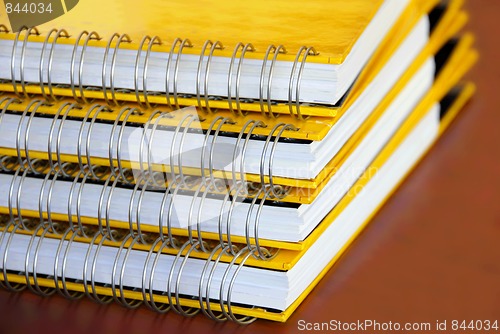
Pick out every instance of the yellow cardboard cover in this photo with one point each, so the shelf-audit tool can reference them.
(332, 26)
(466, 92)
(332, 35)
(460, 62)
(315, 128)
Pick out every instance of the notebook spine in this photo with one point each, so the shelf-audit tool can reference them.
(172, 95)
(80, 96)
(201, 189)
(145, 163)
(45, 226)
(93, 289)
(24, 165)
(234, 189)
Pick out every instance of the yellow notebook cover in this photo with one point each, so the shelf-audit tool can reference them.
(332, 26)
(315, 129)
(465, 92)
(458, 65)
(461, 60)
(333, 36)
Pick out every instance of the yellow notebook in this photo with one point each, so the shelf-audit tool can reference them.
(462, 57)
(319, 40)
(104, 222)
(229, 307)
(314, 129)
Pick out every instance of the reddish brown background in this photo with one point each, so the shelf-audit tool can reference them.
(433, 252)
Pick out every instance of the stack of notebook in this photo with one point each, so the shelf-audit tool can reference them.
(214, 159)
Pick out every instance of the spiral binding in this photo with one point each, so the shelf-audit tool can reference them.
(22, 136)
(137, 232)
(204, 302)
(186, 122)
(203, 294)
(262, 86)
(90, 118)
(119, 269)
(90, 36)
(8, 163)
(152, 41)
(182, 44)
(121, 299)
(213, 46)
(244, 49)
(29, 31)
(98, 108)
(147, 292)
(5, 279)
(92, 293)
(221, 120)
(64, 291)
(116, 173)
(74, 231)
(209, 183)
(37, 104)
(8, 101)
(130, 112)
(58, 33)
(17, 196)
(36, 287)
(48, 208)
(121, 38)
(308, 51)
(39, 229)
(279, 128)
(109, 89)
(68, 106)
(161, 115)
(252, 125)
(122, 171)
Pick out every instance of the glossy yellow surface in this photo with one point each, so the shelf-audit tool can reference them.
(129, 20)
(459, 63)
(315, 128)
(332, 26)
(390, 43)
(291, 256)
(462, 59)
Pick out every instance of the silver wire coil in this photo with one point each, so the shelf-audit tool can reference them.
(201, 88)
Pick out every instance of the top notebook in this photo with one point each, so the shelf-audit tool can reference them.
(301, 51)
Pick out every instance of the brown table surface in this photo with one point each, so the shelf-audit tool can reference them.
(432, 253)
